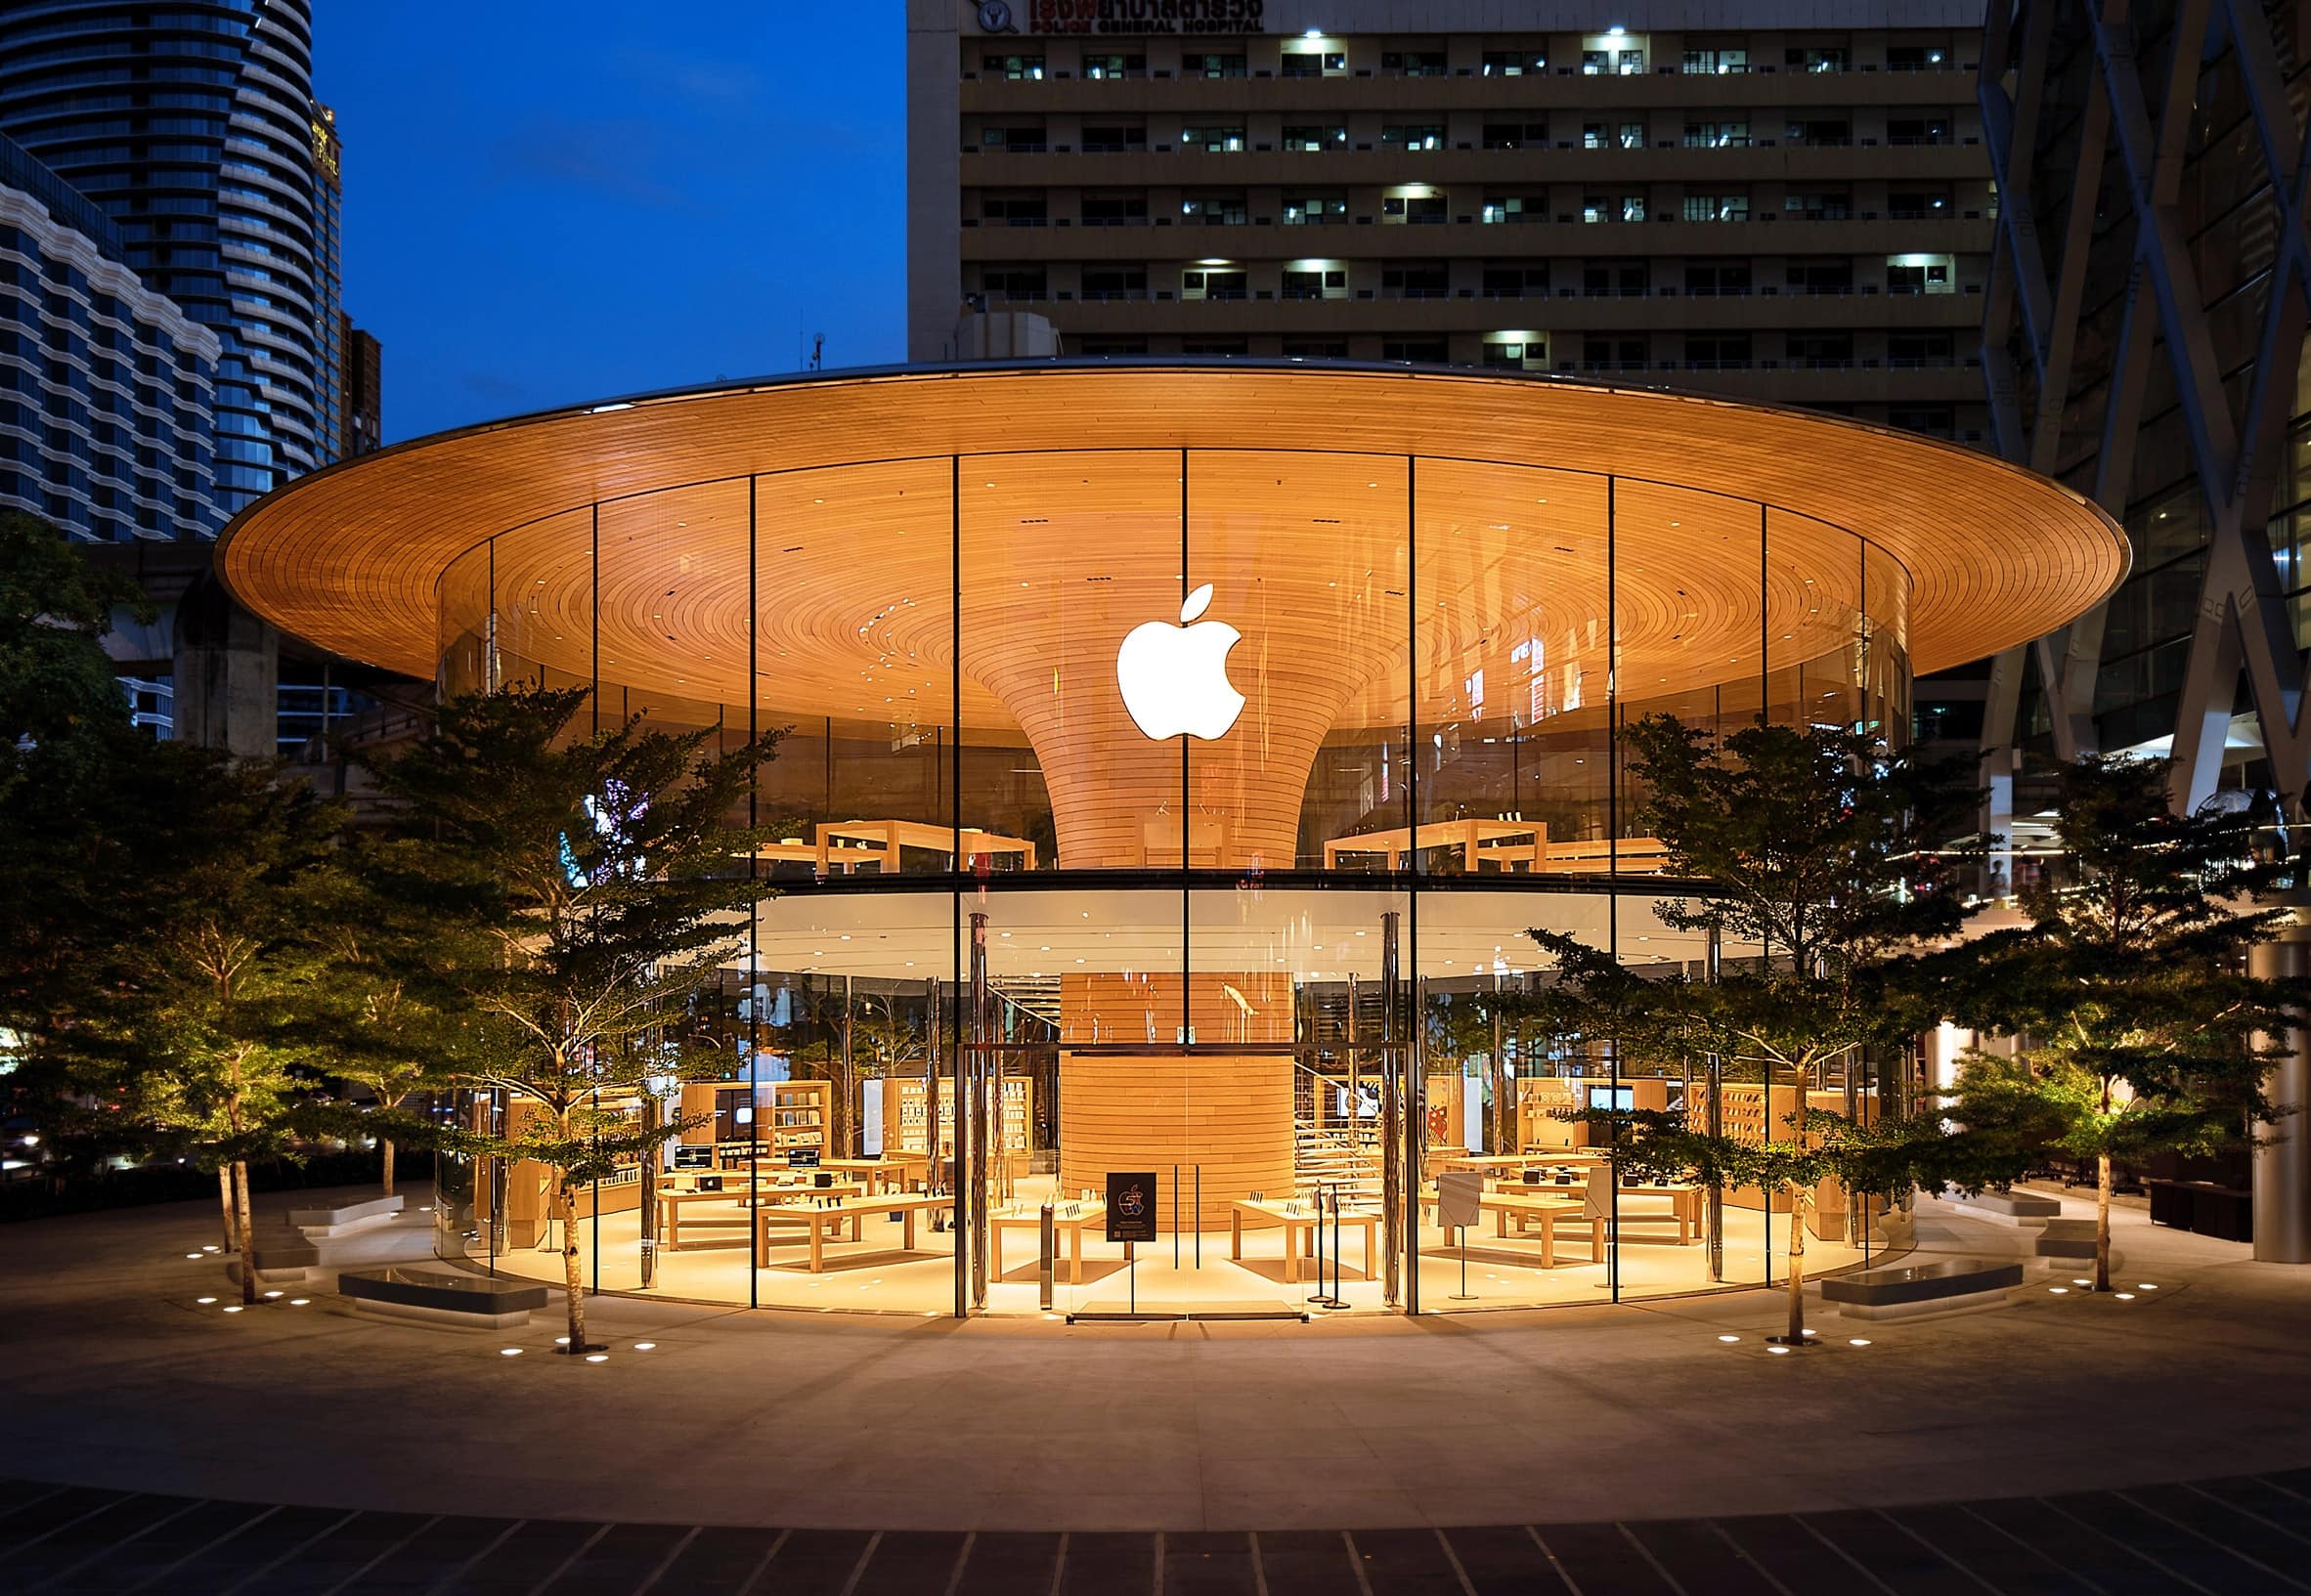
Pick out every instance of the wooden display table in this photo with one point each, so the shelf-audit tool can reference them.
(1484, 844)
(673, 1199)
(1270, 1212)
(1504, 1165)
(820, 1222)
(1684, 1206)
(1093, 1214)
(1505, 1205)
(888, 1172)
(848, 845)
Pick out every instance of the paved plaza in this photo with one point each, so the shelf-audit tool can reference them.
(841, 1426)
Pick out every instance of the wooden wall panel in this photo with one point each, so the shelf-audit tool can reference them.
(1232, 1114)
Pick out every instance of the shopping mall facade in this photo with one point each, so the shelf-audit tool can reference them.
(1176, 757)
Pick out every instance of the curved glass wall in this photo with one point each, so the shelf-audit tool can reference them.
(1180, 815)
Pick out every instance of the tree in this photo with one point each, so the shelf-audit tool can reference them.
(198, 1038)
(586, 891)
(1808, 838)
(2135, 1022)
(54, 679)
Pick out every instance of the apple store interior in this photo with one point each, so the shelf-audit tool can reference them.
(1180, 814)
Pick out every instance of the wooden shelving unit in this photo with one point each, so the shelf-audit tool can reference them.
(796, 1117)
(905, 1107)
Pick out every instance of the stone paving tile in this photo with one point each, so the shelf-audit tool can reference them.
(2011, 1566)
(2247, 1536)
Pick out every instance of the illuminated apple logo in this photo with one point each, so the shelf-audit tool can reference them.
(1174, 680)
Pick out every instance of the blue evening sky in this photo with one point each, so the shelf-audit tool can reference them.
(555, 201)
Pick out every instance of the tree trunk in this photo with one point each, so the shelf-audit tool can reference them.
(243, 1236)
(225, 1204)
(1797, 1271)
(2102, 1223)
(565, 1204)
(386, 1143)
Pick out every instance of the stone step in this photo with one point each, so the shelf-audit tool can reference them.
(2018, 1208)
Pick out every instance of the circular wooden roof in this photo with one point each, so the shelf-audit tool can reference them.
(349, 558)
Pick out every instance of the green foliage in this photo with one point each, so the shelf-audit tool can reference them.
(572, 894)
(2137, 1026)
(56, 683)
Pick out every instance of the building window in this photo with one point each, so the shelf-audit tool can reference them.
(1820, 132)
(1014, 283)
(1596, 207)
(1315, 348)
(1918, 274)
(1516, 135)
(1717, 280)
(1212, 65)
(1917, 207)
(1596, 135)
(1515, 63)
(1114, 209)
(1916, 58)
(1614, 279)
(1934, 420)
(1114, 65)
(1015, 210)
(1917, 349)
(1416, 280)
(1214, 346)
(1014, 68)
(1315, 63)
(1203, 282)
(1632, 136)
(1424, 350)
(1814, 58)
(1016, 140)
(1113, 139)
(1415, 135)
(1115, 282)
(1412, 207)
(1821, 351)
(1633, 207)
(1316, 283)
(1213, 140)
(1213, 210)
(1718, 351)
(1510, 352)
(1096, 348)
(1716, 60)
(1516, 280)
(1412, 63)
(1602, 352)
(1833, 275)
(1315, 137)
(1828, 207)
(1514, 207)
(1716, 135)
(1918, 130)
(1303, 209)
(1612, 55)
(1716, 207)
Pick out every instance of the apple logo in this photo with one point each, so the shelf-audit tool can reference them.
(1174, 680)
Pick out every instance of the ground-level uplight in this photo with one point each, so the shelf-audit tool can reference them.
(1858, 1341)
(2145, 1286)
(211, 1247)
(598, 1358)
(2127, 1296)
(2060, 1290)
(643, 1346)
(232, 1307)
(1728, 1338)
(509, 1351)
(204, 1301)
(194, 1255)
(269, 1295)
(1777, 1351)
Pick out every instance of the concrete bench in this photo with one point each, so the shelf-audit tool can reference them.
(340, 1218)
(2067, 1238)
(2023, 1209)
(1903, 1290)
(442, 1296)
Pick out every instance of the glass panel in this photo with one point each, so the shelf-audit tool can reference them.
(1063, 557)
(673, 607)
(545, 603)
(1511, 672)
(1813, 624)
(464, 627)
(855, 659)
(1305, 554)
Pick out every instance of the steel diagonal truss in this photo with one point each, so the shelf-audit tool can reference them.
(2038, 287)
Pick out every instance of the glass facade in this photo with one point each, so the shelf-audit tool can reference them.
(1178, 815)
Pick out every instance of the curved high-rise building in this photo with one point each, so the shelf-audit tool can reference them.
(195, 129)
